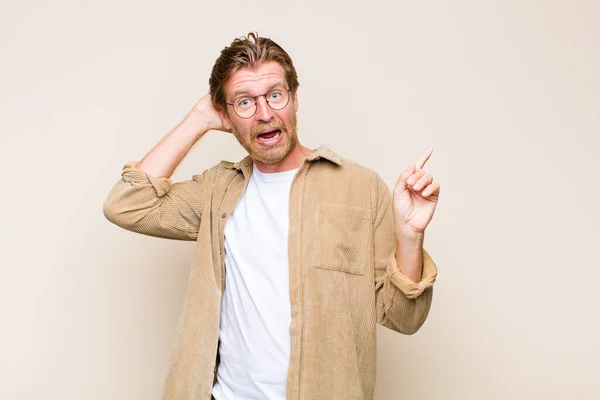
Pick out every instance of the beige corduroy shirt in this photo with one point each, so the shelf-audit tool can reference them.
(344, 278)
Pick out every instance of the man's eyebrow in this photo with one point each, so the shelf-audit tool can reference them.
(240, 92)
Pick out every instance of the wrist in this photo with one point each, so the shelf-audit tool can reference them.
(409, 253)
(408, 233)
(198, 123)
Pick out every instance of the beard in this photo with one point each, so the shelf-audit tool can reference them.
(272, 154)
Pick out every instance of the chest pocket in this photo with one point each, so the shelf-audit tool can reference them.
(343, 237)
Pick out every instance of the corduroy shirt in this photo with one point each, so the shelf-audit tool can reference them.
(344, 278)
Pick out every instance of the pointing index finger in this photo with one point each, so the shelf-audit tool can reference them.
(423, 158)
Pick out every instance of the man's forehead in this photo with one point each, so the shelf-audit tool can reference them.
(250, 80)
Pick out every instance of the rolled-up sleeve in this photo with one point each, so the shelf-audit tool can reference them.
(155, 206)
(402, 305)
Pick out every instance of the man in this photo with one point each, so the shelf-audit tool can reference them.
(299, 252)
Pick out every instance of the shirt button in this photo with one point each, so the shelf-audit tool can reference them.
(223, 215)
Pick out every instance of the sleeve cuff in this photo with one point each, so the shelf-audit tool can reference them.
(136, 176)
(406, 285)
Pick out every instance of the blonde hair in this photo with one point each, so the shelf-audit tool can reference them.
(249, 51)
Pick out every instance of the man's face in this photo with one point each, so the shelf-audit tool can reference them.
(269, 136)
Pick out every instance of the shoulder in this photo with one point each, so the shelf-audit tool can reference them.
(339, 164)
(355, 167)
(352, 178)
(223, 167)
(359, 173)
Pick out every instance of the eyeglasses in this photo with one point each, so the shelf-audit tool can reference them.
(245, 106)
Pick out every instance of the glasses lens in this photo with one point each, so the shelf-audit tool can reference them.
(278, 98)
(244, 106)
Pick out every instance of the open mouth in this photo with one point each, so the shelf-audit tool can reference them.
(270, 137)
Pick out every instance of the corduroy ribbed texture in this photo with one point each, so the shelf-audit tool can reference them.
(343, 273)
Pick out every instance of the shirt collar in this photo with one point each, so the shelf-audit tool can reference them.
(320, 152)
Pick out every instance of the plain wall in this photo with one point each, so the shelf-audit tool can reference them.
(507, 92)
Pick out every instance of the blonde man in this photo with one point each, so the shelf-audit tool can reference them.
(300, 253)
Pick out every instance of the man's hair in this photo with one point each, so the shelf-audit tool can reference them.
(249, 52)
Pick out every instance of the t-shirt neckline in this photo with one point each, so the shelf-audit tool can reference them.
(273, 176)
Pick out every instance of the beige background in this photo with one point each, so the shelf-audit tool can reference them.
(507, 92)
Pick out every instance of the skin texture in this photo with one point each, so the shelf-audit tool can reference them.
(288, 153)
(415, 195)
(415, 198)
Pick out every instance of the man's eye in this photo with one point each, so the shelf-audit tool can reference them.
(275, 96)
(244, 103)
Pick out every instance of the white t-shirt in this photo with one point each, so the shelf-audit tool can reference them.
(255, 311)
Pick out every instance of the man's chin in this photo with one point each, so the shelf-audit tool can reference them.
(269, 157)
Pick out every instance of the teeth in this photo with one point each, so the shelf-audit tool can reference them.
(274, 137)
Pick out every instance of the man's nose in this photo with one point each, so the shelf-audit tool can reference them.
(263, 111)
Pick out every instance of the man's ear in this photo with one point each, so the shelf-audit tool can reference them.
(296, 100)
(225, 119)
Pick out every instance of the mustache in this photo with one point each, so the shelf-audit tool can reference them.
(270, 125)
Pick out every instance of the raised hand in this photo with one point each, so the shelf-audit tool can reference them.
(415, 196)
(209, 115)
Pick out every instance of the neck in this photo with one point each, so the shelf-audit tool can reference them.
(292, 161)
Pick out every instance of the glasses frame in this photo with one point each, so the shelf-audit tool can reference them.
(256, 102)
